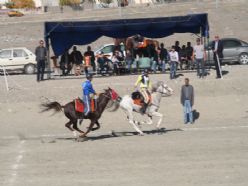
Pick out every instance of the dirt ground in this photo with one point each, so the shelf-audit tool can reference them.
(36, 149)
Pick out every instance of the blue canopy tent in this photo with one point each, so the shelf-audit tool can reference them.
(63, 35)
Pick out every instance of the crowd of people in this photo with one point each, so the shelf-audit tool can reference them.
(177, 57)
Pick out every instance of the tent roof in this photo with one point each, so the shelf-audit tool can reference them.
(64, 35)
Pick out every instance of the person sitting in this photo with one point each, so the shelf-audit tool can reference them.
(144, 83)
(87, 91)
(116, 60)
(103, 63)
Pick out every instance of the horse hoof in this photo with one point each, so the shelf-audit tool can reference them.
(74, 133)
(81, 139)
(141, 134)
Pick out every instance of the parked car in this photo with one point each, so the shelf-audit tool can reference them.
(107, 50)
(18, 59)
(235, 50)
(15, 13)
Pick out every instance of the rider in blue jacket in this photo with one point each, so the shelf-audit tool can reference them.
(87, 90)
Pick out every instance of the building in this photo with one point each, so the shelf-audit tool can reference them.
(40, 3)
(3, 1)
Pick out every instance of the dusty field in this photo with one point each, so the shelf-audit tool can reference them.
(36, 149)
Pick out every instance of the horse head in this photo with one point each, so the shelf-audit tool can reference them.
(162, 88)
(111, 94)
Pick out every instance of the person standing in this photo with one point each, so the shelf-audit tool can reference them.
(129, 60)
(174, 59)
(187, 100)
(41, 55)
(87, 91)
(90, 54)
(189, 51)
(199, 56)
(65, 63)
(217, 48)
(163, 56)
(77, 59)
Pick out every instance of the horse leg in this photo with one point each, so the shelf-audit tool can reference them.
(157, 114)
(89, 129)
(149, 122)
(68, 125)
(97, 126)
(74, 126)
(132, 122)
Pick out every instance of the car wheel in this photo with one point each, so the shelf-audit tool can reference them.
(29, 69)
(243, 59)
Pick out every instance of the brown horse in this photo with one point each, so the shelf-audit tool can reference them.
(74, 116)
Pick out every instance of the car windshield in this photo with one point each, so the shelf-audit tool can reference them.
(243, 42)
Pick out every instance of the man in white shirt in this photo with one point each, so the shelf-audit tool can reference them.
(199, 56)
(174, 59)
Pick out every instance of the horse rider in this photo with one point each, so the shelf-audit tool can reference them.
(144, 83)
(87, 92)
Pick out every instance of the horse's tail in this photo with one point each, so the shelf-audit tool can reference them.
(57, 107)
(116, 106)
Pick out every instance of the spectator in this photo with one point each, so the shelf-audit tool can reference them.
(183, 56)
(163, 56)
(199, 56)
(41, 55)
(178, 50)
(65, 63)
(154, 57)
(189, 50)
(187, 100)
(177, 47)
(217, 48)
(77, 59)
(103, 63)
(129, 60)
(91, 55)
(174, 59)
(116, 59)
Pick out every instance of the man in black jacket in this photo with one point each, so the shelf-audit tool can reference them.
(217, 48)
(41, 55)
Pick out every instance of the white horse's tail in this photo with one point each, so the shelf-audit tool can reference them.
(116, 106)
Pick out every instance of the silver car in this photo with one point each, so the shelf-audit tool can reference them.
(235, 50)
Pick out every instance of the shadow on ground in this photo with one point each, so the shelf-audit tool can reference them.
(120, 134)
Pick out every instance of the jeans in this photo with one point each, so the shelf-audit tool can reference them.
(163, 65)
(187, 109)
(173, 69)
(200, 67)
(129, 64)
(40, 70)
(154, 66)
(86, 100)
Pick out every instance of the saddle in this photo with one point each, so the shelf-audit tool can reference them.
(79, 105)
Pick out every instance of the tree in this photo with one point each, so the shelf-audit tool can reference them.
(22, 3)
(69, 2)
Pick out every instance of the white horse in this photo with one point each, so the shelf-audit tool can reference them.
(159, 90)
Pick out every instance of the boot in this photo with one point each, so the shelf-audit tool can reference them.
(143, 109)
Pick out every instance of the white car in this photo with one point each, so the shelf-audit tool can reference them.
(18, 59)
(107, 50)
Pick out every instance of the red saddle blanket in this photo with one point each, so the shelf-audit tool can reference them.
(79, 105)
